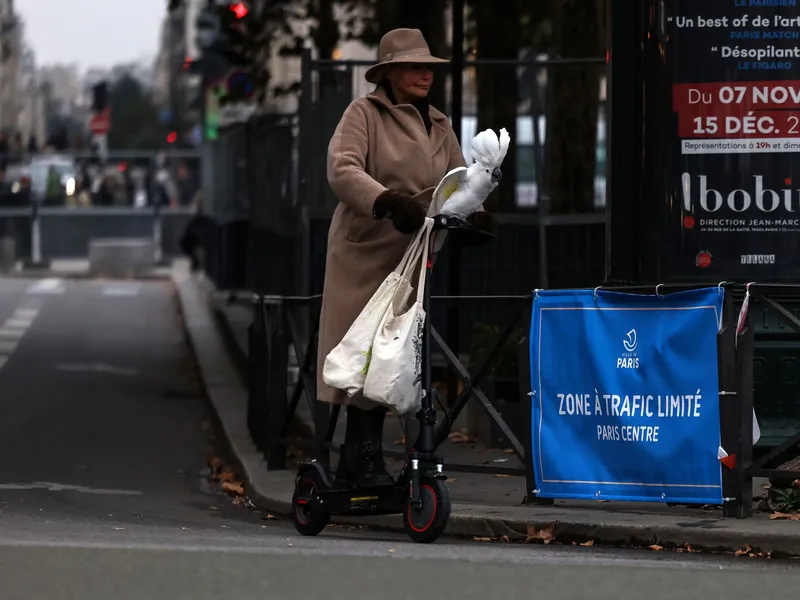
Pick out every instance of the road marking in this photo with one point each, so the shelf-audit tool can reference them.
(13, 334)
(122, 290)
(13, 330)
(65, 487)
(95, 368)
(51, 285)
(15, 323)
(6, 347)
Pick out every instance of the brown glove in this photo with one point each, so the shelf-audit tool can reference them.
(483, 221)
(406, 214)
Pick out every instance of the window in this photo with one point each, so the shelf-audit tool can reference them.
(526, 166)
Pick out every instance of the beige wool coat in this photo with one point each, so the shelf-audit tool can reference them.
(377, 146)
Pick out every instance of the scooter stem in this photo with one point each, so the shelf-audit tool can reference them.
(426, 443)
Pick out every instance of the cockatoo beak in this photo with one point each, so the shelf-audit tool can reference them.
(497, 175)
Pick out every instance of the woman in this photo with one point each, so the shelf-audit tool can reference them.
(388, 153)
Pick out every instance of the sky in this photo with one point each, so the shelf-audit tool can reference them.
(92, 33)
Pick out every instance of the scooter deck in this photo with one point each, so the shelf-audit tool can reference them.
(378, 500)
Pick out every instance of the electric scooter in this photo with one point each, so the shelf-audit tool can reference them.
(420, 493)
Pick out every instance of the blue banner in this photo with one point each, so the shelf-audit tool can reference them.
(625, 397)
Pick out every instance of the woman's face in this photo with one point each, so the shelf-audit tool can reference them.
(411, 82)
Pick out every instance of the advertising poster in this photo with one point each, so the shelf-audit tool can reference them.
(734, 173)
(625, 396)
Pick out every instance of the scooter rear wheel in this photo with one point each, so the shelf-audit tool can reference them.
(309, 519)
(428, 522)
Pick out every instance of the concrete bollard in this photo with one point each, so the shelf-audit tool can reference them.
(121, 258)
(8, 254)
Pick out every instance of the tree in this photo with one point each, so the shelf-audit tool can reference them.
(579, 31)
(134, 117)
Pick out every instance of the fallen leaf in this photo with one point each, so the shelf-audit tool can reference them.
(588, 544)
(239, 500)
(233, 488)
(544, 534)
(508, 451)
(688, 548)
(785, 516)
(451, 480)
(212, 508)
(270, 517)
(656, 548)
(743, 551)
(228, 476)
(505, 538)
(481, 539)
(459, 437)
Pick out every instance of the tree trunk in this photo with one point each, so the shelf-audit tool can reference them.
(325, 35)
(498, 36)
(573, 107)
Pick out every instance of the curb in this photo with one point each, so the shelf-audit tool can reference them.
(272, 490)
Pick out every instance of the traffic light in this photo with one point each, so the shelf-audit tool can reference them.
(222, 30)
(172, 137)
(239, 9)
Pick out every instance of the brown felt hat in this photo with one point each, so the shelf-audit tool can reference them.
(401, 46)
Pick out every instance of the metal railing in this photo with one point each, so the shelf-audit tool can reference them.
(277, 326)
(42, 234)
(737, 365)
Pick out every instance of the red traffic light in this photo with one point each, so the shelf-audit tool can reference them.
(172, 137)
(239, 9)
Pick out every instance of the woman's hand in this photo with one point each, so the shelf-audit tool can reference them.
(406, 214)
(483, 221)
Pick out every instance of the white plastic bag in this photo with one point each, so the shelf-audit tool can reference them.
(346, 366)
(394, 378)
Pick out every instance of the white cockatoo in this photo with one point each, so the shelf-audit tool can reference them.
(464, 189)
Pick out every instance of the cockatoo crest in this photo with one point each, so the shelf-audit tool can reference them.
(490, 150)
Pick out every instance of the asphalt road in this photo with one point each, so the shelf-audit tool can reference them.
(104, 490)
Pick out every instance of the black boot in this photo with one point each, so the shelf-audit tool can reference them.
(348, 456)
(371, 466)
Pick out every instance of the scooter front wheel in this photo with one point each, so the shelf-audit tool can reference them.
(309, 518)
(426, 523)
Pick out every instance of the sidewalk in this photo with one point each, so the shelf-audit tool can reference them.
(484, 506)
